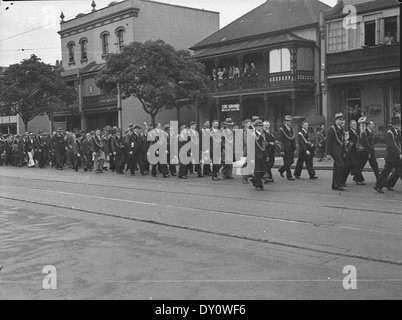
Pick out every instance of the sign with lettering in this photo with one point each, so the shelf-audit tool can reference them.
(230, 107)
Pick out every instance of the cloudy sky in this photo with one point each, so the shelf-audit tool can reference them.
(30, 27)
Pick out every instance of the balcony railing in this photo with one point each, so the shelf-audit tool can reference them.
(369, 58)
(272, 80)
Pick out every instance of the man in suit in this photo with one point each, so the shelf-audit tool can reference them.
(287, 137)
(59, 148)
(29, 147)
(270, 138)
(335, 144)
(353, 162)
(133, 143)
(118, 150)
(215, 136)
(392, 154)
(227, 138)
(40, 149)
(247, 125)
(306, 153)
(367, 140)
(87, 153)
(98, 154)
(260, 155)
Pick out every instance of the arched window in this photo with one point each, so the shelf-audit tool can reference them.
(279, 60)
(70, 47)
(83, 43)
(105, 42)
(305, 59)
(120, 37)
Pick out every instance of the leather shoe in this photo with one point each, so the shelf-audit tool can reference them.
(313, 178)
(379, 190)
(281, 173)
(297, 177)
(390, 188)
(340, 188)
(291, 179)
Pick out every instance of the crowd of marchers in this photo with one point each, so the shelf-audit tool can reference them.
(130, 151)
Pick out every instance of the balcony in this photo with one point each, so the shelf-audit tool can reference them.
(369, 58)
(269, 81)
(100, 102)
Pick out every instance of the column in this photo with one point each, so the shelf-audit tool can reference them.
(80, 103)
(218, 110)
(293, 98)
(119, 108)
(265, 106)
(242, 113)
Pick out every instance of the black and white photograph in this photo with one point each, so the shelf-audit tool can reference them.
(200, 155)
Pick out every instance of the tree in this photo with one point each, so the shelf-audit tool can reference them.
(31, 88)
(155, 73)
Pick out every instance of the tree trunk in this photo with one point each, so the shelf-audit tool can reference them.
(26, 126)
(153, 116)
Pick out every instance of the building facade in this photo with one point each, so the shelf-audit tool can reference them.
(267, 63)
(362, 61)
(88, 38)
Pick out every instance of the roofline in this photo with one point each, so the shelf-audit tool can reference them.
(253, 49)
(179, 6)
(217, 44)
(359, 12)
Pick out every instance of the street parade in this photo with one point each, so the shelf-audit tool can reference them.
(128, 152)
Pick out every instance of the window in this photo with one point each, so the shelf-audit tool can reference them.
(305, 59)
(336, 36)
(354, 37)
(279, 60)
(83, 43)
(390, 30)
(70, 47)
(105, 43)
(120, 38)
(369, 33)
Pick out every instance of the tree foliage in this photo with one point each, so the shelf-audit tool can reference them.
(31, 88)
(157, 74)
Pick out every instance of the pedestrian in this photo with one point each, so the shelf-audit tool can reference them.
(118, 150)
(306, 153)
(320, 143)
(204, 137)
(367, 140)
(335, 144)
(227, 136)
(215, 150)
(392, 154)
(287, 137)
(97, 149)
(260, 155)
(270, 138)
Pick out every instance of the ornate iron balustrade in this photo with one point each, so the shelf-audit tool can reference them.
(263, 81)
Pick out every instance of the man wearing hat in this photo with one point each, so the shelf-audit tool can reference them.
(40, 149)
(110, 136)
(392, 154)
(260, 155)
(247, 125)
(227, 141)
(59, 147)
(306, 153)
(118, 150)
(195, 137)
(287, 137)
(98, 153)
(87, 153)
(133, 142)
(8, 150)
(335, 143)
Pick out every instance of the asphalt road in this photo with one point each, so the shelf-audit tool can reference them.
(123, 237)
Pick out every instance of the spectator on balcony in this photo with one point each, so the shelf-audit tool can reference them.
(389, 38)
(214, 75)
(225, 73)
(246, 70)
(236, 72)
(253, 70)
(231, 73)
(220, 74)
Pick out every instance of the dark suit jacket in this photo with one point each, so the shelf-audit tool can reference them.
(97, 144)
(304, 142)
(367, 141)
(289, 145)
(393, 146)
(334, 142)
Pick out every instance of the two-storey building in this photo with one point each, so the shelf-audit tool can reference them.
(362, 64)
(267, 62)
(88, 38)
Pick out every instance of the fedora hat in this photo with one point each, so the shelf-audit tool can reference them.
(228, 122)
(395, 121)
(258, 123)
(339, 116)
(288, 118)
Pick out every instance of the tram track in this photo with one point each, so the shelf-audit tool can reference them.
(346, 254)
(220, 196)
